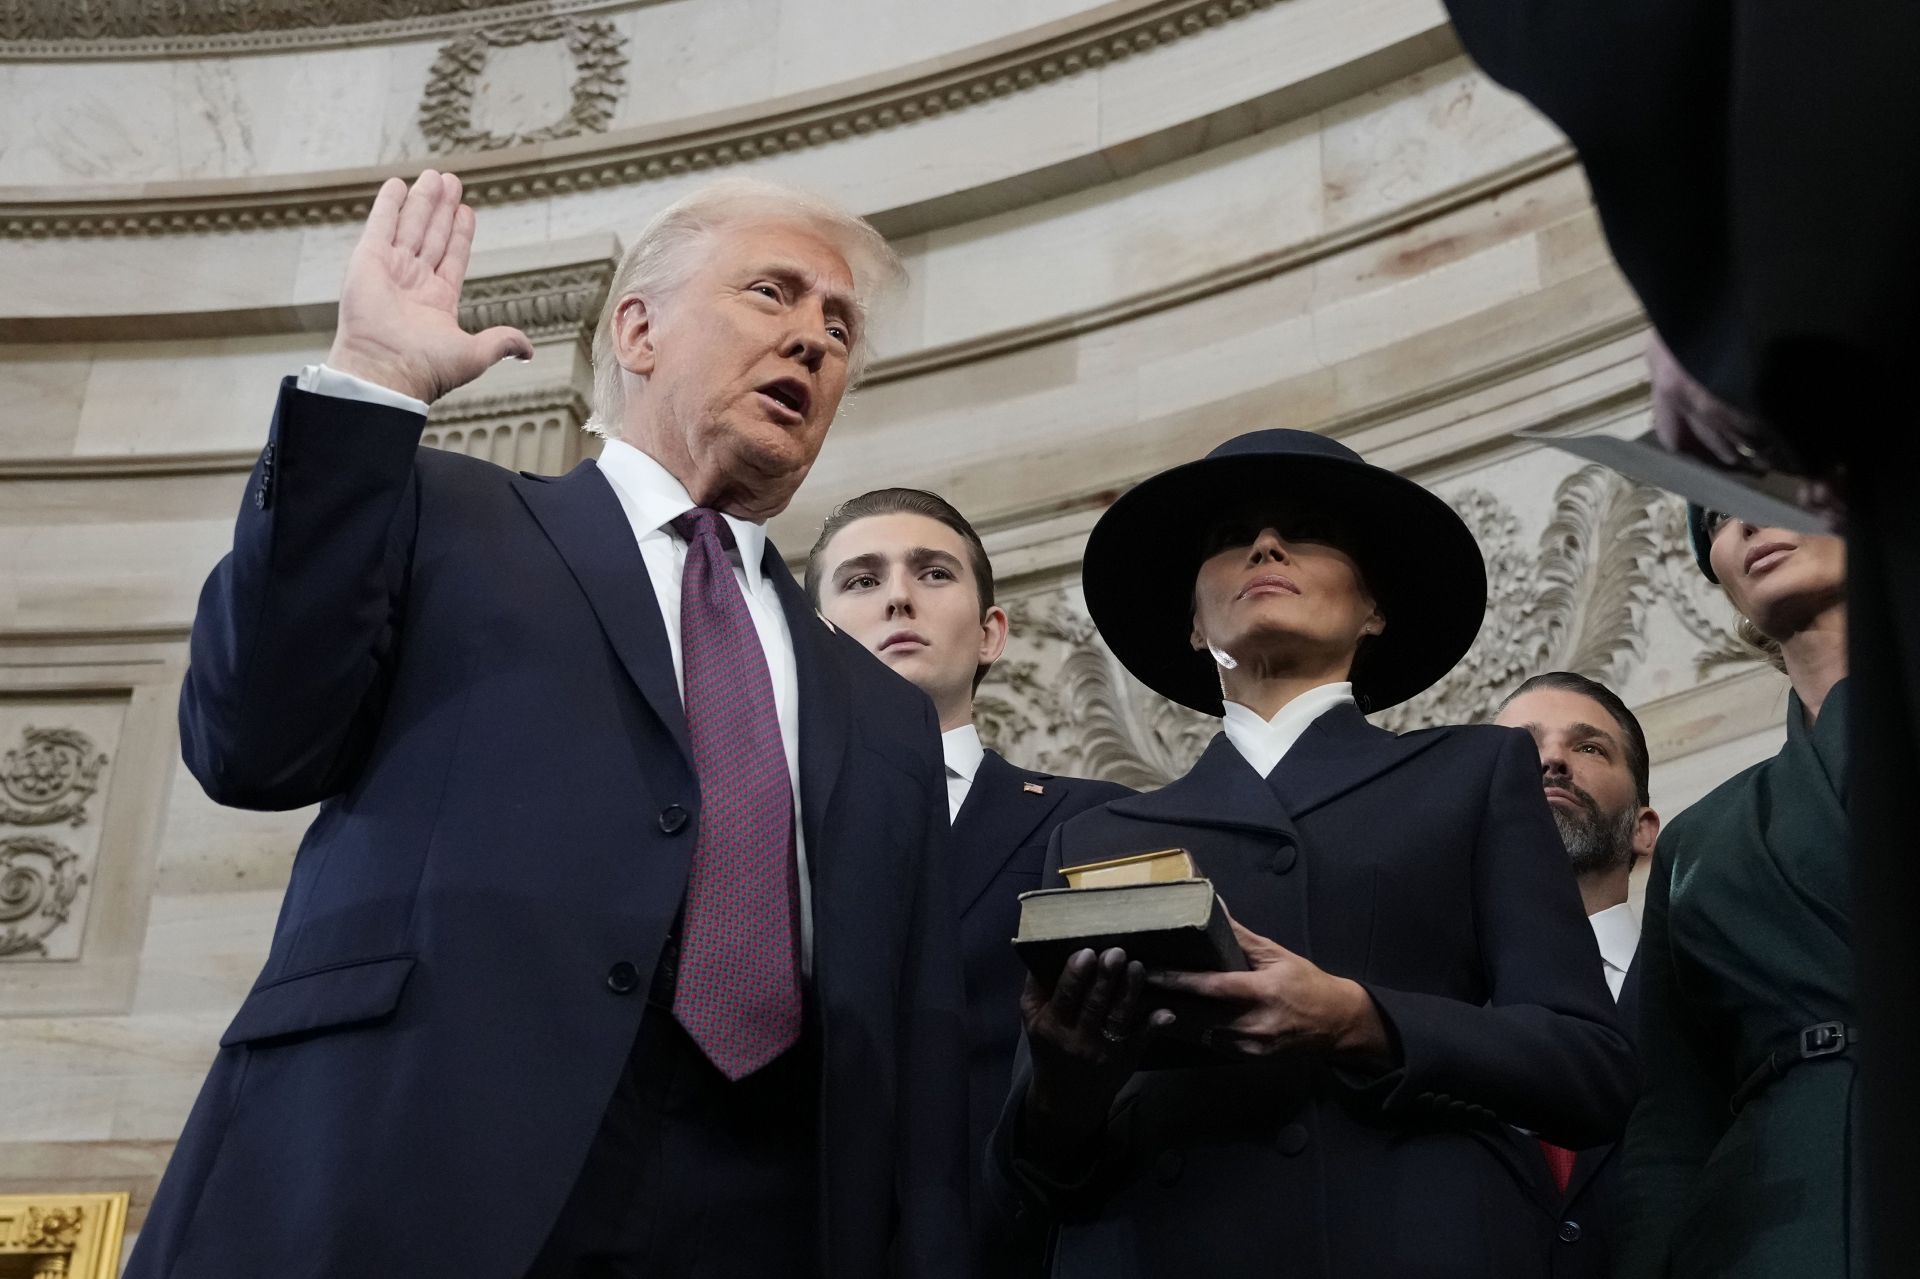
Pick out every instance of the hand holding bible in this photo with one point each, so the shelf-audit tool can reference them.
(399, 323)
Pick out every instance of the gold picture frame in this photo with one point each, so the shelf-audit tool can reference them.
(52, 1236)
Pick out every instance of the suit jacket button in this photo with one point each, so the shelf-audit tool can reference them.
(672, 819)
(1293, 1139)
(1168, 1167)
(1569, 1232)
(260, 498)
(623, 978)
(1283, 859)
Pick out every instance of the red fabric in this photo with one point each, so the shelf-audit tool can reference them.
(1560, 1163)
(739, 984)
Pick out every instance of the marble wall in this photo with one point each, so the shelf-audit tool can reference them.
(1133, 229)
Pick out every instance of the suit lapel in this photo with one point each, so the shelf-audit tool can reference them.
(825, 704)
(1338, 752)
(583, 519)
(999, 813)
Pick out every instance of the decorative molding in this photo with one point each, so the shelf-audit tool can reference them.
(49, 778)
(64, 1236)
(538, 431)
(93, 30)
(1578, 600)
(39, 880)
(549, 302)
(829, 119)
(599, 63)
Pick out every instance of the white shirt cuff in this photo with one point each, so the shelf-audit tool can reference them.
(321, 380)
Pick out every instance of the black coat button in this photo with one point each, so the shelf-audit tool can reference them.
(672, 819)
(623, 978)
(1569, 1232)
(1293, 1139)
(260, 498)
(1168, 1167)
(1283, 859)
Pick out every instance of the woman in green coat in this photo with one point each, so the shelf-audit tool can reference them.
(1742, 1157)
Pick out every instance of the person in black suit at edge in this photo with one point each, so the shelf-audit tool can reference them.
(1421, 983)
(904, 573)
(1594, 767)
(621, 942)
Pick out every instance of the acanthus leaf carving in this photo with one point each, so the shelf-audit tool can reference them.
(39, 880)
(1578, 599)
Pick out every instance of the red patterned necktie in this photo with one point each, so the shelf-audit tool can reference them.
(1559, 1163)
(739, 985)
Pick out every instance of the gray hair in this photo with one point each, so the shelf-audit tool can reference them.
(663, 256)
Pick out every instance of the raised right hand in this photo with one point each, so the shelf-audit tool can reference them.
(400, 303)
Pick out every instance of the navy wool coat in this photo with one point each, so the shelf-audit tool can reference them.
(1426, 867)
(468, 670)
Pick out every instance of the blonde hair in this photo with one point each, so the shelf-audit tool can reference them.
(1764, 646)
(663, 256)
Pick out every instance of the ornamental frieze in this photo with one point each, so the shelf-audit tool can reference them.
(49, 778)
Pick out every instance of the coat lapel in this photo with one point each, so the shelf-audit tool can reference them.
(999, 814)
(825, 704)
(1220, 790)
(1338, 752)
(583, 519)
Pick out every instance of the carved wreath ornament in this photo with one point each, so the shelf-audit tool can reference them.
(599, 61)
(1576, 600)
(39, 880)
(49, 778)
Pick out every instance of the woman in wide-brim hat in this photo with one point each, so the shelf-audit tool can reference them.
(1423, 984)
(1743, 1155)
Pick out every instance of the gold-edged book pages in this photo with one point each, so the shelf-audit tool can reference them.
(54, 1236)
(1157, 867)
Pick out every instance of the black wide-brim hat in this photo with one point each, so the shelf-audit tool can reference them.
(1417, 557)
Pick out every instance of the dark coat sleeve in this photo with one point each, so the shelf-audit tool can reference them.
(290, 655)
(1544, 1052)
(1682, 1114)
(933, 1172)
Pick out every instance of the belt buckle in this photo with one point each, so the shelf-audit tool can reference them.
(1823, 1039)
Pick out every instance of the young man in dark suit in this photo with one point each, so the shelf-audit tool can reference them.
(1594, 766)
(904, 573)
(620, 943)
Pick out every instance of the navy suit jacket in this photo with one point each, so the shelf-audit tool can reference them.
(999, 846)
(467, 668)
(1580, 1221)
(1426, 867)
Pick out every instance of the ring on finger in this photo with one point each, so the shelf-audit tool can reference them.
(1112, 1036)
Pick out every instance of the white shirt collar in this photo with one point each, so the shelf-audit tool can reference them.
(1618, 934)
(653, 499)
(1265, 742)
(963, 751)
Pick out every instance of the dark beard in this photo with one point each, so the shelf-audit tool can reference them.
(1596, 841)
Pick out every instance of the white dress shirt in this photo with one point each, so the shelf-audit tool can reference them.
(1265, 742)
(1618, 933)
(652, 499)
(963, 751)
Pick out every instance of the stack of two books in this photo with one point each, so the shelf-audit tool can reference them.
(1154, 906)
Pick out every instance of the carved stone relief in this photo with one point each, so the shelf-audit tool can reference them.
(109, 28)
(546, 303)
(538, 431)
(598, 50)
(1579, 597)
(39, 879)
(50, 777)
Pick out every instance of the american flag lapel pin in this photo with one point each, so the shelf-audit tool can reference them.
(1033, 788)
